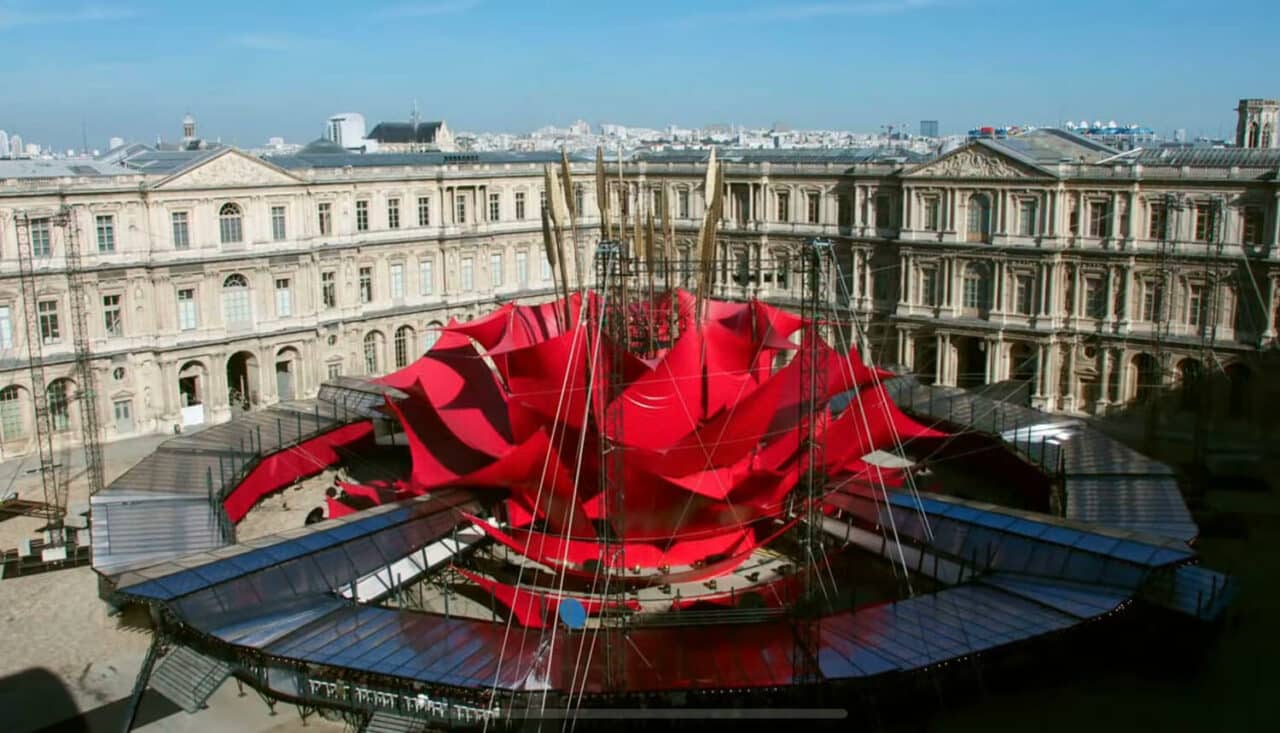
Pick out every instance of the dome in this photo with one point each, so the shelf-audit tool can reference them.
(322, 146)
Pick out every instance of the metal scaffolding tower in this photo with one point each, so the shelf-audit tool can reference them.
(817, 256)
(55, 477)
(54, 504)
(90, 430)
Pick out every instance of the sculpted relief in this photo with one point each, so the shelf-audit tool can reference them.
(231, 169)
(971, 164)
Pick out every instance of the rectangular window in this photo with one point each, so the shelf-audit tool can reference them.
(426, 276)
(813, 208)
(112, 318)
(106, 233)
(366, 284)
(181, 230)
(187, 309)
(325, 211)
(546, 267)
(1204, 222)
(1073, 222)
(974, 297)
(844, 210)
(883, 209)
(362, 216)
(41, 238)
(459, 208)
(1095, 297)
(397, 281)
(393, 213)
(495, 202)
(1023, 294)
(522, 269)
(6, 327)
(520, 205)
(931, 208)
(328, 290)
(424, 211)
(683, 200)
(1099, 219)
(495, 269)
(284, 298)
(1027, 218)
(929, 287)
(783, 211)
(1197, 305)
(1159, 219)
(334, 369)
(1151, 305)
(123, 411)
(468, 274)
(1253, 222)
(278, 230)
(579, 200)
(50, 332)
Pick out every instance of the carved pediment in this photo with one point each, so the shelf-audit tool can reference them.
(231, 168)
(973, 162)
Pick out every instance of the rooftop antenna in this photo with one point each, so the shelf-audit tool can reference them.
(413, 114)
(84, 138)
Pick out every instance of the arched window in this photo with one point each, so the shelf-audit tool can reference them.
(1147, 378)
(230, 223)
(59, 407)
(12, 425)
(977, 287)
(979, 229)
(373, 352)
(1252, 142)
(1266, 136)
(405, 338)
(433, 335)
(236, 309)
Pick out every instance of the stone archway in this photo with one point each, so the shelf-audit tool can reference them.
(287, 369)
(971, 361)
(193, 382)
(925, 360)
(1022, 362)
(242, 381)
(1147, 378)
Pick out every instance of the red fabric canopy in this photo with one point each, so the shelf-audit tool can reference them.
(709, 436)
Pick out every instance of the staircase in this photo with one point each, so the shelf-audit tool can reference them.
(189, 678)
(382, 722)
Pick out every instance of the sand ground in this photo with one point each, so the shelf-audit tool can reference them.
(66, 663)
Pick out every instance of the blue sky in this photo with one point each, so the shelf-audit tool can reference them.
(249, 70)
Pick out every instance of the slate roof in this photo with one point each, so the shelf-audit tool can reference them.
(405, 132)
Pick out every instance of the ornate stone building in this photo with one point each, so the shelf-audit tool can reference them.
(219, 281)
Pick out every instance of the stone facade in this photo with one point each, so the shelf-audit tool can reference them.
(239, 283)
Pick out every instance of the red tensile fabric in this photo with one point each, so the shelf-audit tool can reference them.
(648, 555)
(710, 435)
(535, 609)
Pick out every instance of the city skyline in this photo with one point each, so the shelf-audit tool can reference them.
(251, 72)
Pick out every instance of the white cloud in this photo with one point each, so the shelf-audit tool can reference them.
(13, 15)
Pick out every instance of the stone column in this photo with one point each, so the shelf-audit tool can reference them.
(1040, 370)
(941, 358)
(1104, 394)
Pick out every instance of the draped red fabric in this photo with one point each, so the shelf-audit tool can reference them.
(536, 609)
(709, 435)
